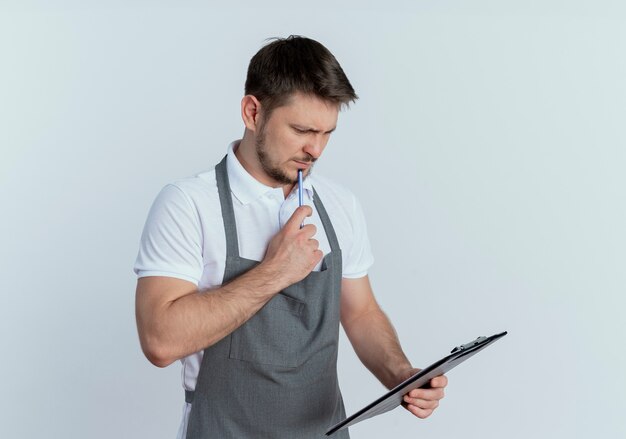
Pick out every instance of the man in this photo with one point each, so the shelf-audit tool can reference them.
(247, 288)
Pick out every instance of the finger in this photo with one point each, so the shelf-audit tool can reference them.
(420, 413)
(440, 381)
(317, 256)
(430, 394)
(313, 244)
(421, 403)
(308, 231)
(298, 216)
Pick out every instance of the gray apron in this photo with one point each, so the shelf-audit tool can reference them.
(276, 375)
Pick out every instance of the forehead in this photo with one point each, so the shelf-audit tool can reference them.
(308, 111)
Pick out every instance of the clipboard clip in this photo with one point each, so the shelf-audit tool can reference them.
(471, 344)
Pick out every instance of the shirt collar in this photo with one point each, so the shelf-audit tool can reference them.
(245, 187)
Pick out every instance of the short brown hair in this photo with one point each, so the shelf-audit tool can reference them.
(296, 64)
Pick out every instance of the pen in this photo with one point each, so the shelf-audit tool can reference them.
(299, 187)
(300, 191)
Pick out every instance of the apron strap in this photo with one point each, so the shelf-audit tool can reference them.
(328, 226)
(228, 213)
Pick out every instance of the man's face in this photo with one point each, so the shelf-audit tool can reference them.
(294, 137)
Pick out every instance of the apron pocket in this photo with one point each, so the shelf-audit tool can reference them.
(273, 335)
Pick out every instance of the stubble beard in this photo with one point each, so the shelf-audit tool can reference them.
(269, 167)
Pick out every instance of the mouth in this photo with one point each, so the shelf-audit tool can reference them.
(303, 165)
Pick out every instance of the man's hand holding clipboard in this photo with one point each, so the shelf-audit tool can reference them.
(422, 401)
(411, 391)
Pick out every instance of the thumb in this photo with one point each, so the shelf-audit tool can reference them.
(298, 217)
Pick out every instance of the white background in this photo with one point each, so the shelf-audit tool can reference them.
(487, 149)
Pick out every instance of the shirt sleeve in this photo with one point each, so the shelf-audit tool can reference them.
(171, 242)
(359, 258)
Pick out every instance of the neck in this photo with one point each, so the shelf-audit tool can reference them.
(246, 154)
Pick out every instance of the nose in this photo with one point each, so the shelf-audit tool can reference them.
(315, 146)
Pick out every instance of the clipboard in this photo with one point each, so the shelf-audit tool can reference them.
(394, 397)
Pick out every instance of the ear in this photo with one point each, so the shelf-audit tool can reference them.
(250, 112)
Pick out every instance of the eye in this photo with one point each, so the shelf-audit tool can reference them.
(299, 130)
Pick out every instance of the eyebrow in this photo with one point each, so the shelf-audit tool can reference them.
(311, 130)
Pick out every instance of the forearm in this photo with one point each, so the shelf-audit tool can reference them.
(377, 346)
(174, 319)
(193, 321)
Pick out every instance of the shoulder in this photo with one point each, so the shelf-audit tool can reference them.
(197, 190)
(201, 184)
(192, 199)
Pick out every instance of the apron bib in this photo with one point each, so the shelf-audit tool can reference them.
(276, 375)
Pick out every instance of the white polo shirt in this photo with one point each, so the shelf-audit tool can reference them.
(184, 234)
